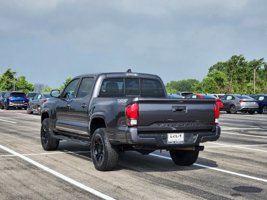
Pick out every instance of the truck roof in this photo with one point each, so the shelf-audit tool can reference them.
(120, 74)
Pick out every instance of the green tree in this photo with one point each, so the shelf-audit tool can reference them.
(7, 80)
(47, 89)
(236, 75)
(181, 85)
(23, 85)
(209, 85)
(65, 83)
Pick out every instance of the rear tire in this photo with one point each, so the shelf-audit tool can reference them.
(104, 155)
(251, 112)
(48, 142)
(184, 158)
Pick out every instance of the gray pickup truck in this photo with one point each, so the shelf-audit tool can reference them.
(116, 112)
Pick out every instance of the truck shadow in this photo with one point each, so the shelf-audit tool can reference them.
(135, 161)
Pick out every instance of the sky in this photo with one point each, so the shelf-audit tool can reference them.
(51, 40)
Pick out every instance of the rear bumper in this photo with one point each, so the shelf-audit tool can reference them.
(159, 140)
(17, 104)
(249, 109)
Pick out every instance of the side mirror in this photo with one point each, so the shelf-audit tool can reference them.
(55, 93)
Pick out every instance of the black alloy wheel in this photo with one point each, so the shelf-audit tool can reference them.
(104, 155)
(98, 150)
(48, 142)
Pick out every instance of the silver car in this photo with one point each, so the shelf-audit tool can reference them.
(232, 103)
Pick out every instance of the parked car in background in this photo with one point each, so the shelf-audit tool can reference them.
(232, 103)
(30, 95)
(219, 102)
(36, 102)
(217, 95)
(15, 100)
(2, 95)
(175, 96)
(262, 101)
(184, 94)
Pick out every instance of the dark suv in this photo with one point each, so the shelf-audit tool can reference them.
(15, 100)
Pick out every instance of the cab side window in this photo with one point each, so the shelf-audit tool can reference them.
(86, 87)
(229, 98)
(71, 89)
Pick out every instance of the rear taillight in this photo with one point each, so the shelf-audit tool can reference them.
(132, 113)
(216, 113)
(219, 103)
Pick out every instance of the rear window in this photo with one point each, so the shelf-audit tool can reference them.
(209, 97)
(151, 88)
(17, 94)
(30, 95)
(47, 95)
(121, 87)
(244, 97)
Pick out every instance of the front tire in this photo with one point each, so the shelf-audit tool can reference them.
(232, 109)
(6, 107)
(48, 142)
(264, 109)
(104, 155)
(183, 157)
(29, 111)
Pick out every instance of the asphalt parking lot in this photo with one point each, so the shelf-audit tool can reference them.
(234, 167)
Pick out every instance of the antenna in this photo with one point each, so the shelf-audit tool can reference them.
(129, 71)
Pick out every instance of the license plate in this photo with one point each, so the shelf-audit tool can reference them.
(175, 138)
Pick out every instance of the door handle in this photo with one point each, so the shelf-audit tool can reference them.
(83, 105)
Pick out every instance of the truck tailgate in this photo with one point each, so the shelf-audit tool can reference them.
(175, 114)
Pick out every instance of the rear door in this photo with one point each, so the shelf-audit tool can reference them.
(78, 107)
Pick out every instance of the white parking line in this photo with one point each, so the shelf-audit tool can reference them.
(245, 135)
(12, 122)
(44, 154)
(239, 147)
(215, 145)
(57, 174)
(239, 128)
(219, 170)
